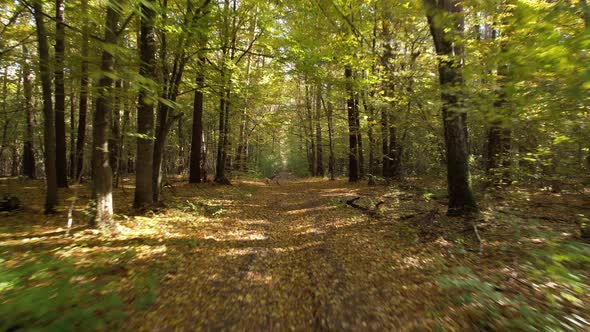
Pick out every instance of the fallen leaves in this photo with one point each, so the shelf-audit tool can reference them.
(288, 257)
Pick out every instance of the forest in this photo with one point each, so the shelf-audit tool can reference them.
(325, 165)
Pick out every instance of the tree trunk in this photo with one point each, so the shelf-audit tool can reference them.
(6, 124)
(204, 162)
(499, 134)
(351, 106)
(83, 102)
(72, 134)
(48, 115)
(385, 143)
(60, 97)
(461, 200)
(394, 154)
(196, 171)
(28, 152)
(311, 153)
(371, 135)
(115, 139)
(318, 129)
(359, 138)
(101, 125)
(145, 109)
(220, 162)
(125, 152)
(329, 116)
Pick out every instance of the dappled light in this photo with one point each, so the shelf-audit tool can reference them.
(294, 165)
(272, 262)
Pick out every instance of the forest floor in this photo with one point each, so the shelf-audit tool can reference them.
(295, 256)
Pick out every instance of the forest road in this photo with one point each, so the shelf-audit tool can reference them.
(289, 257)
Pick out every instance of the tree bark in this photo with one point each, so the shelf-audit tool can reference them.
(329, 117)
(351, 106)
(115, 139)
(145, 109)
(220, 160)
(445, 36)
(370, 135)
(102, 172)
(28, 152)
(60, 97)
(311, 153)
(72, 136)
(195, 172)
(83, 102)
(318, 129)
(224, 102)
(385, 143)
(359, 137)
(48, 115)
(499, 134)
(394, 153)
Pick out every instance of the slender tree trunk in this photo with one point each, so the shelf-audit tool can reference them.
(385, 143)
(28, 152)
(318, 129)
(101, 125)
(180, 162)
(311, 153)
(115, 139)
(220, 162)
(48, 115)
(359, 138)
(461, 200)
(72, 155)
(196, 171)
(60, 97)
(329, 116)
(6, 121)
(370, 135)
(241, 142)
(394, 153)
(226, 142)
(145, 109)
(83, 102)
(204, 161)
(351, 106)
(499, 134)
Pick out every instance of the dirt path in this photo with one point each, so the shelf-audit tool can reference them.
(288, 257)
(253, 257)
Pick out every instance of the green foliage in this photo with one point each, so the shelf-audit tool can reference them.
(50, 294)
(491, 309)
(297, 164)
(270, 164)
(564, 265)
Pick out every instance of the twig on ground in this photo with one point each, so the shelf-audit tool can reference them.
(371, 212)
(478, 238)
(72, 204)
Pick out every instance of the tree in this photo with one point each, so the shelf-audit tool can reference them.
(102, 173)
(319, 171)
(172, 78)
(83, 100)
(352, 113)
(48, 115)
(196, 171)
(28, 152)
(145, 108)
(446, 24)
(60, 97)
